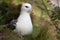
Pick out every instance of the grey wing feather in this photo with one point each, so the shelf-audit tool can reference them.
(12, 24)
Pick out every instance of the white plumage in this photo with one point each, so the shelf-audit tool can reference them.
(24, 24)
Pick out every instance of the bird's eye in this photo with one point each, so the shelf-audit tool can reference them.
(26, 6)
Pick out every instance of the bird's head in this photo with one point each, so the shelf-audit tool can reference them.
(26, 7)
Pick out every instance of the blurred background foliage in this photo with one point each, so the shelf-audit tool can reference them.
(46, 20)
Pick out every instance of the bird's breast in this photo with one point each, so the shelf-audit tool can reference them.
(24, 24)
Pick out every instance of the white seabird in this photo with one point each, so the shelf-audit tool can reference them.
(24, 24)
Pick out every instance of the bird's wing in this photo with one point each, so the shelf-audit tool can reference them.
(12, 24)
